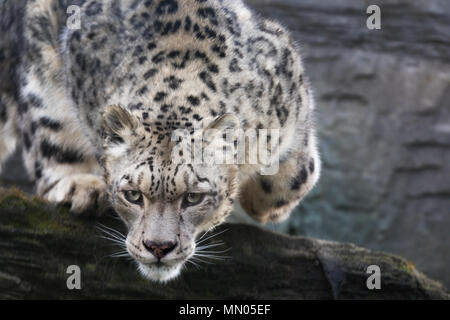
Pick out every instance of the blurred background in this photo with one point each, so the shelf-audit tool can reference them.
(383, 116)
(383, 112)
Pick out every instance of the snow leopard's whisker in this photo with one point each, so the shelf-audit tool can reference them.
(213, 252)
(102, 226)
(207, 248)
(123, 250)
(210, 237)
(205, 233)
(202, 253)
(115, 242)
(111, 234)
(197, 259)
(116, 238)
(195, 264)
(212, 256)
(110, 231)
(212, 245)
(120, 242)
(119, 255)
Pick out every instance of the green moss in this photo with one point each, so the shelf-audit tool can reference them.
(20, 210)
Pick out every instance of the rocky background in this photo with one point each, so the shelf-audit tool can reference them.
(383, 112)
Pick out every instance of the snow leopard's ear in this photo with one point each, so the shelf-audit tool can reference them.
(220, 135)
(227, 121)
(118, 125)
(225, 124)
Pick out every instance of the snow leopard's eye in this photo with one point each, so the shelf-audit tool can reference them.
(192, 199)
(133, 196)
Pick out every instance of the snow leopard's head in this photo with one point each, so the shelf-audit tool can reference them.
(165, 201)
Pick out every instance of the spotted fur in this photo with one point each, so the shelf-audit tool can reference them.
(95, 108)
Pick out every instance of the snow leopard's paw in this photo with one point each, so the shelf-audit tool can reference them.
(86, 193)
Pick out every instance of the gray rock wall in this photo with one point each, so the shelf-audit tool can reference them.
(383, 111)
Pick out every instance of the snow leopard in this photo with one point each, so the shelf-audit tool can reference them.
(93, 92)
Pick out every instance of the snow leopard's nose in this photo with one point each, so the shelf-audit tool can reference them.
(159, 249)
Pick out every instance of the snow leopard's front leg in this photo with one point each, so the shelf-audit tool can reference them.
(56, 152)
(273, 197)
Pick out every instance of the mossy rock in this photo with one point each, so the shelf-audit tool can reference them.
(39, 241)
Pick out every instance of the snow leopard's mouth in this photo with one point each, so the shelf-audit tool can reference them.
(160, 271)
(165, 263)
